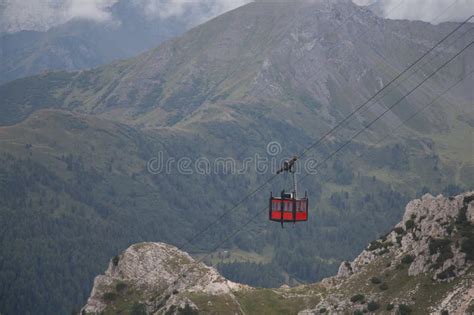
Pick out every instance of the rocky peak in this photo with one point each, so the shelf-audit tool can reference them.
(158, 272)
(434, 233)
(434, 239)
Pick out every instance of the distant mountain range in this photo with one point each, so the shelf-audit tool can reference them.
(86, 43)
(75, 147)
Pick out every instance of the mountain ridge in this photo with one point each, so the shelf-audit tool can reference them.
(82, 43)
(75, 148)
(203, 79)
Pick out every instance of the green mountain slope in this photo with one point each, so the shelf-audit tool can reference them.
(265, 72)
(66, 203)
(256, 55)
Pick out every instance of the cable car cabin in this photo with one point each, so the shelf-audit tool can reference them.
(287, 208)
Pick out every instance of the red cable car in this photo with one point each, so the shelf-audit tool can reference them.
(288, 207)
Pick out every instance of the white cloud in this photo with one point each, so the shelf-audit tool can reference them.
(161, 8)
(433, 11)
(89, 9)
(41, 15)
(18, 15)
(364, 2)
(201, 10)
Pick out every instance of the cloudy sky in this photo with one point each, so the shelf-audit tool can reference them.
(435, 11)
(42, 14)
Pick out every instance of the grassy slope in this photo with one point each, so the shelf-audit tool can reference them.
(67, 204)
(419, 293)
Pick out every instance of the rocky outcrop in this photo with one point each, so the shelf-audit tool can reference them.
(159, 272)
(430, 233)
(434, 239)
(424, 264)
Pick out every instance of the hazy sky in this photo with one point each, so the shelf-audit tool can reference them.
(42, 14)
(436, 11)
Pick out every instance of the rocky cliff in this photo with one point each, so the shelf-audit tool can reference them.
(423, 265)
(156, 277)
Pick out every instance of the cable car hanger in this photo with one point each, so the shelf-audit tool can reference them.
(288, 207)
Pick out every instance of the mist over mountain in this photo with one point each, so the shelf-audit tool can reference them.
(432, 11)
(75, 35)
(70, 35)
(33, 15)
(75, 180)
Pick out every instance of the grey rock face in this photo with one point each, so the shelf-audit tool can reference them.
(428, 240)
(428, 233)
(345, 269)
(470, 213)
(153, 268)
